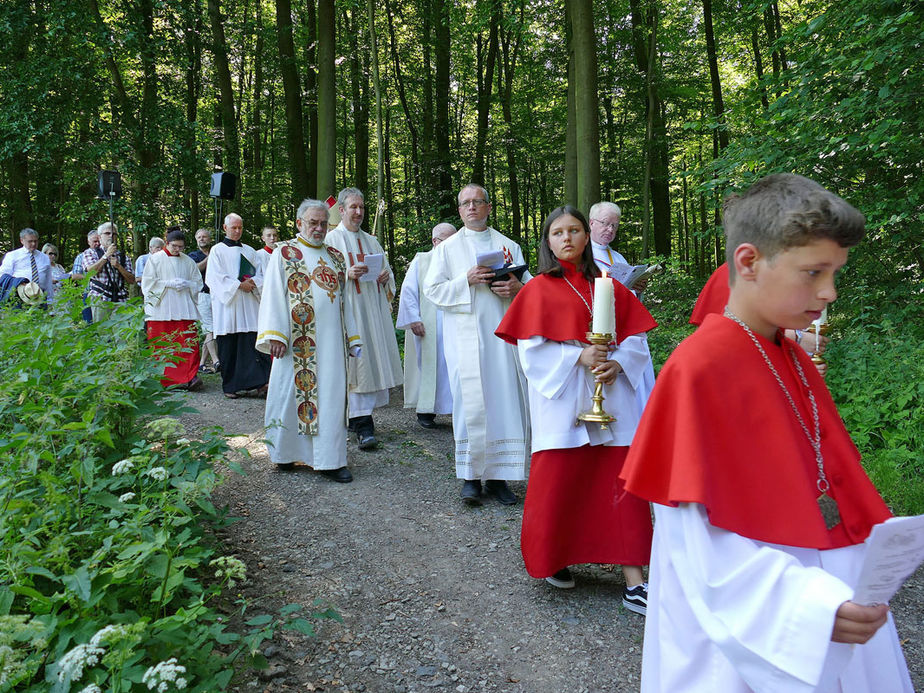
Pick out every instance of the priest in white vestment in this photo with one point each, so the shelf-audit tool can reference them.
(171, 283)
(379, 367)
(426, 378)
(306, 324)
(604, 223)
(490, 420)
(234, 279)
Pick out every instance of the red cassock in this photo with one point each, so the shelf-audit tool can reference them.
(714, 296)
(576, 510)
(180, 340)
(719, 431)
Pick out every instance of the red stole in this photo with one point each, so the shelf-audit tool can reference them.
(546, 306)
(268, 249)
(714, 296)
(719, 431)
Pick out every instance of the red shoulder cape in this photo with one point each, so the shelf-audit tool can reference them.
(713, 297)
(719, 431)
(547, 307)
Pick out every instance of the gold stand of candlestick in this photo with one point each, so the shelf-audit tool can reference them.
(817, 358)
(596, 413)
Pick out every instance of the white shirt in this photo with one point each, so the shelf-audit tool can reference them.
(17, 264)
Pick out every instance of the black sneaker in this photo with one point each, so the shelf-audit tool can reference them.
(563, 579)
(499, 489)
(471, 492)
(636, 598)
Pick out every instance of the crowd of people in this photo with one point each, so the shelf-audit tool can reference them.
(760, 504)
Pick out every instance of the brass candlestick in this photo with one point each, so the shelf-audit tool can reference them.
(596, 413)
(817, 358)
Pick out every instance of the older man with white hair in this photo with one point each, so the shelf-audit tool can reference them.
(154, 245)
(426, 379)
(112, 273)
(233, 277)
(29, 263)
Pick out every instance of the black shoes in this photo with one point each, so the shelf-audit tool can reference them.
(367, 441)
(563, 579)
(471, 493)
(341, 476)
(636, 598)
(499, 489)
(427, 420)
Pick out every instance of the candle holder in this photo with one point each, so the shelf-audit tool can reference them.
(823, 329)
(596, 413)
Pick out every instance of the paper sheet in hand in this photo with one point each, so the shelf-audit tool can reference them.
(493, 259)
(894, 550)
(375, 262)
(628, 275)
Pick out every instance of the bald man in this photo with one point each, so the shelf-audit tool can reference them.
(426, 379)
(234, 277)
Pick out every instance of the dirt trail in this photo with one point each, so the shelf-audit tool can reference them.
(433, 595)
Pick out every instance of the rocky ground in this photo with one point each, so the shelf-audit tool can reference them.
(432, 594)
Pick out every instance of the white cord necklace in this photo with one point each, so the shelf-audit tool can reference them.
(583, 300)
(826, 504)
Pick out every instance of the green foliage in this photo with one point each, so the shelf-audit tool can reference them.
(108, 574)
(876, 376)
(669, 298)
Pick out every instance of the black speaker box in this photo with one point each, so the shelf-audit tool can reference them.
(109, 182)
(223, 185)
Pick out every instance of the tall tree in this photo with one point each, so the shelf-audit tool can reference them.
(487, 55)
(586, 106)
(231, 149)
(441, 84)
(327, 100)
(718, 105)
(291, 87)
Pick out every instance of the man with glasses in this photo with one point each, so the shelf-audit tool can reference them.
(380, 366)
(28, 263)
(306, 324)
(604, 223)
(112, 270)
(489, 415)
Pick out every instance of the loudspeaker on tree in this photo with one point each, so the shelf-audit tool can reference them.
(223, 185)
(109, 182)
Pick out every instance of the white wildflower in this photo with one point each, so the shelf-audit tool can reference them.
(229, 567)
(109, 632)
(92, 688)
(157, 473)
(165, 426)
(183, 441)
(122, 467)
(72, 664)
(163, 674)
(126, 497)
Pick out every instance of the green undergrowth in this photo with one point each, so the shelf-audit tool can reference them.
(110, 579)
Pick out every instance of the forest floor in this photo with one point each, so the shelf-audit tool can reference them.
(432, 594)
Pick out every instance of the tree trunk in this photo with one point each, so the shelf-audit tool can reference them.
(759, 69)
(380, 152)
(311, 92)
(718, 106)
(485, 82)
(570, 182)
(659, 180)
(359, 85)
(231, 145)
(295, 139)
(191, 31)
(505, 89)
(327, 100)
(441, 113)
(586, 107)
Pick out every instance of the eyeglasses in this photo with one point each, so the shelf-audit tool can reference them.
(51, 252)
(607, 225)
(473, 203)
(314, 224)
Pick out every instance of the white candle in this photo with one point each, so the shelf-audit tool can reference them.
(604, 306)
(818, 323)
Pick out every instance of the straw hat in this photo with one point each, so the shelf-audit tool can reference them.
(30, 293)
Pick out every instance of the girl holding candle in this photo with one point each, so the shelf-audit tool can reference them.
(576, 510)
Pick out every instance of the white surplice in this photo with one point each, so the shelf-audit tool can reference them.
(233, 310)
(162, 302)
(328, 449)
(426, 378)
(263, 256)
(490, 420)
(560, 388)
(379, 367)
(605, 257)
(728, 614)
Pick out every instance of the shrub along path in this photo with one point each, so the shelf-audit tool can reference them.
(433, 595)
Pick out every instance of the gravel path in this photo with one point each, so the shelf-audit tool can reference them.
(433, 595)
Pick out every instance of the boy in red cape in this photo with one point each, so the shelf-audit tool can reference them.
(761, 505)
